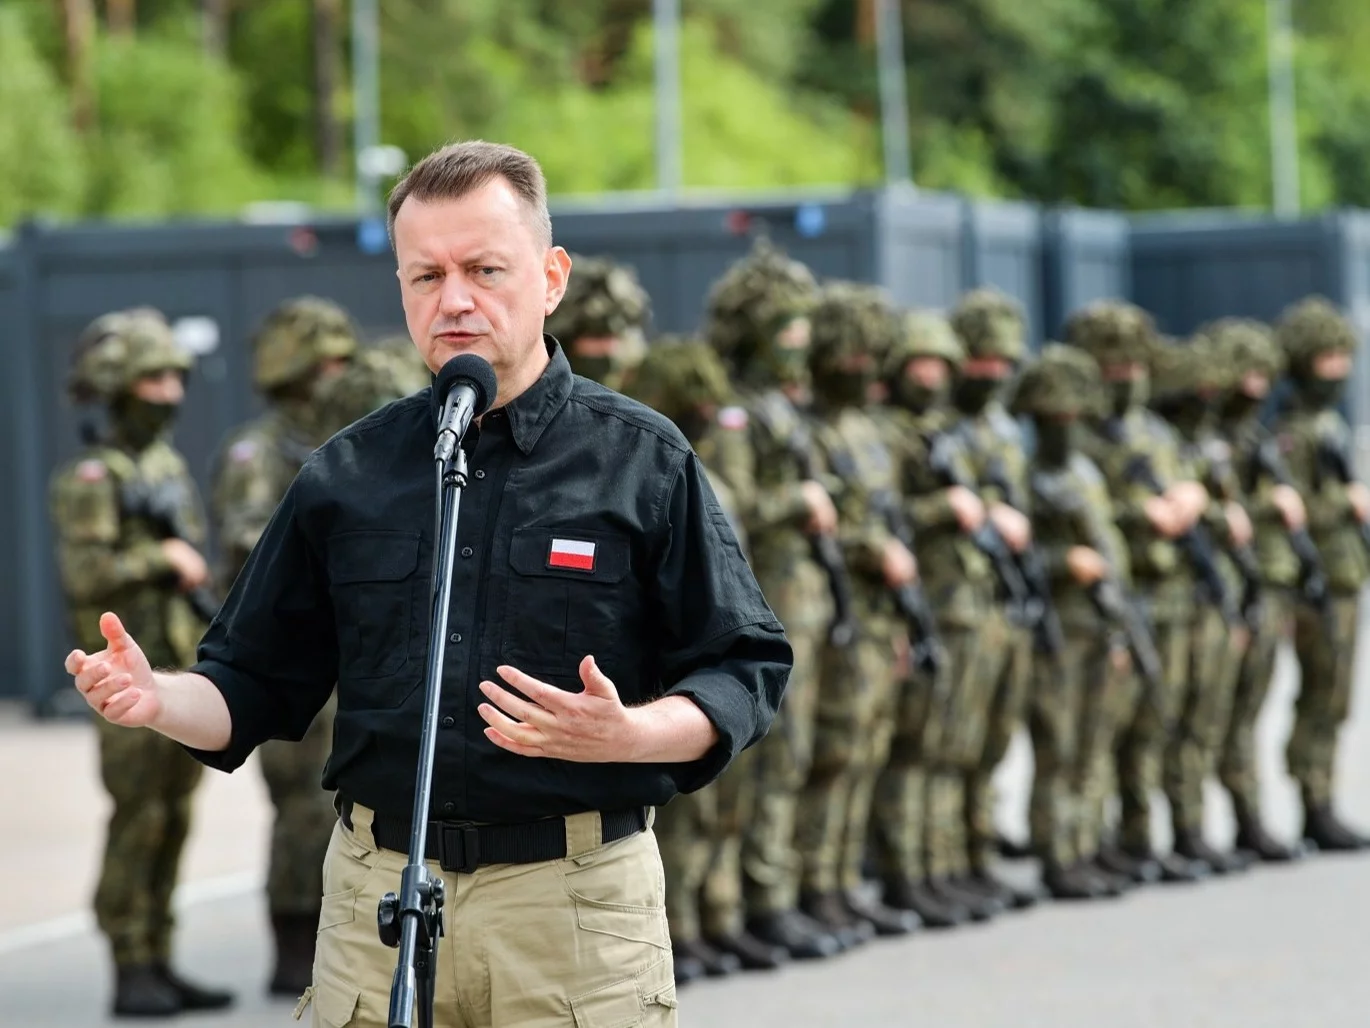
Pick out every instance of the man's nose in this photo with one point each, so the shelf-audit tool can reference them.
(456, 296)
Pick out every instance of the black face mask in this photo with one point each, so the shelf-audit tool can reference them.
(1240, 406)
(1322, 392)
(918, 398)
(1129, 393)
(1189, 414)
(1055, 440)
(974, 394)
(139, 422)
(842, 388)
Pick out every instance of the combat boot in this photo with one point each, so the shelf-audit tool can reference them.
(295, 935)
(1177, 869)
(687, 968)
(141, 991)
(1115, 884)
(1191, 845)
(1012, 898)
(1071, 883)
(198, 997)
(830, 911)
(1012, 850)
(934, 913)
(1322, 828)
(1142, 870)
(982, 908)
(716, 964)
(888, 921)
(796, 933)
(751, 952)
(1252, 837)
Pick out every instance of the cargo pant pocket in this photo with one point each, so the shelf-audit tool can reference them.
(647, 999)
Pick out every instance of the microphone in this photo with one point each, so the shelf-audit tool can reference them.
(466, 387)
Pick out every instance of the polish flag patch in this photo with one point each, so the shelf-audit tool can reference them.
(571, 555)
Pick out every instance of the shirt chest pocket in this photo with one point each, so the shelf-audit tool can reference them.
(373, 579)
(570, 594)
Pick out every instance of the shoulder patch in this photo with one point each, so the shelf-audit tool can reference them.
(733, 417)
(91, 471)
(243, 450)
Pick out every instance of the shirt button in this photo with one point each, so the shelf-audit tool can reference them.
(455, 637)
(466, 551)
(449, 808)
(480, 473)
(448, 722)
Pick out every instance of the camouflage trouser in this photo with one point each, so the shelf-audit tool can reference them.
(736, 798)
(685, 830)
(1142, 743)
(975, 661)
(304, 816)
(1324, 695)
(1238, 765)
(151, 781)
(898, 824)
(1111, 694)
(1055, 726)
(852, 729)
(1008, 704)
(770, 865)
(1191, 753)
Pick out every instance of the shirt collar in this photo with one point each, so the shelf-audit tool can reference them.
(532, 410)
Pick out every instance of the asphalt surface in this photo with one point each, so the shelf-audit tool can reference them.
(1283, 947)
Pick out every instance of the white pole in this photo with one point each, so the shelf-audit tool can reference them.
(366, 100)
(666, 35)
(1284, 129)
(894, 110)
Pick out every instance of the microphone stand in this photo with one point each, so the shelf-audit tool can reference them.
(412, 921)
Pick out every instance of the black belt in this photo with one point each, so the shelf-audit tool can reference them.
(462, 846)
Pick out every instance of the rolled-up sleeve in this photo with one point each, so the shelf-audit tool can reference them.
(722, 646)
(272, 651)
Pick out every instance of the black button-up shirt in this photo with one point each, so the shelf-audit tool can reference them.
(587, 526)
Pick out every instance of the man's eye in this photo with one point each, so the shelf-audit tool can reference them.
(429, 276)
(489, 272)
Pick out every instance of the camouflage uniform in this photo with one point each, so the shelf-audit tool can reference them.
(1189, 383)
(858, 683)
(950, 568)
(1250, 348)
(256, 464)
(603, 301)
(1071, 721)
(991, 324)
(1309, 432)
(109, 533)
(1118, 334)
(758, 320)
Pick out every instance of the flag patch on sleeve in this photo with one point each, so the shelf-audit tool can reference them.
(571, 555)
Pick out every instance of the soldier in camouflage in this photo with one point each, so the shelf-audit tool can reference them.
(129, 528)
(992, 328)
(1130, 439)
(1073, 697)
(601, 321)
(300, 346)
(1189, 383)
(757, 319)
(858, 683)
(1278, 517)
(1319, 345)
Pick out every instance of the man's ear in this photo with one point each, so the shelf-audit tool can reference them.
(557, 267)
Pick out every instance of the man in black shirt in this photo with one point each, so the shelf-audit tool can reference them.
(608, 645)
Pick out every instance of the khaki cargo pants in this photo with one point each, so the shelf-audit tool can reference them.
(581, 941)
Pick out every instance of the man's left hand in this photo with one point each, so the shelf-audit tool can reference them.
(592, 726)
(1013, 526)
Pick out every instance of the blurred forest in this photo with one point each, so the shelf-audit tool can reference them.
(164, 107)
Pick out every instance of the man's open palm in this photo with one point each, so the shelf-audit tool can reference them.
(117, 681)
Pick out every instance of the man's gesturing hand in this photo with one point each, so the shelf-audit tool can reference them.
(592, 726)
(117, 682)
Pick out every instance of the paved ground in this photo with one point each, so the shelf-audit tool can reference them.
(1284, 948)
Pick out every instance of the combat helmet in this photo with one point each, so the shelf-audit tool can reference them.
(603, 298)
(680, 376)
(923, 334)
(117, 349)
(1063, 382)
(298, 336)
(1310, 328)
(373, 378)
(1113, 332)
(851, 319)
(1246, 345)
(991, 323)
(754, 301)
(413, 373)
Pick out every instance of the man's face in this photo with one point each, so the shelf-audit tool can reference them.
(475, 278)
(596, 346)
(165, 387)
(1127, 372)
(1255, 385)
(928, 372)
(1333, 365)
(997, 368)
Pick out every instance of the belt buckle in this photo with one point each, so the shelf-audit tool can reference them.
(458, 847)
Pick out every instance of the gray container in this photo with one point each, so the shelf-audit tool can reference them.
(1086, 256)
(1004, 250)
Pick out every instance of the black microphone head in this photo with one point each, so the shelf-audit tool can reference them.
(471, 368)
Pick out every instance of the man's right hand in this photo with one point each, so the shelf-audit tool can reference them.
(1191, 499)
(1290, 505)
(822, 513)
(968, 508)
(1360, 500)
(189, 565)
(1086, 566)
(117, 682)
(1168, 521)
(899, 565)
